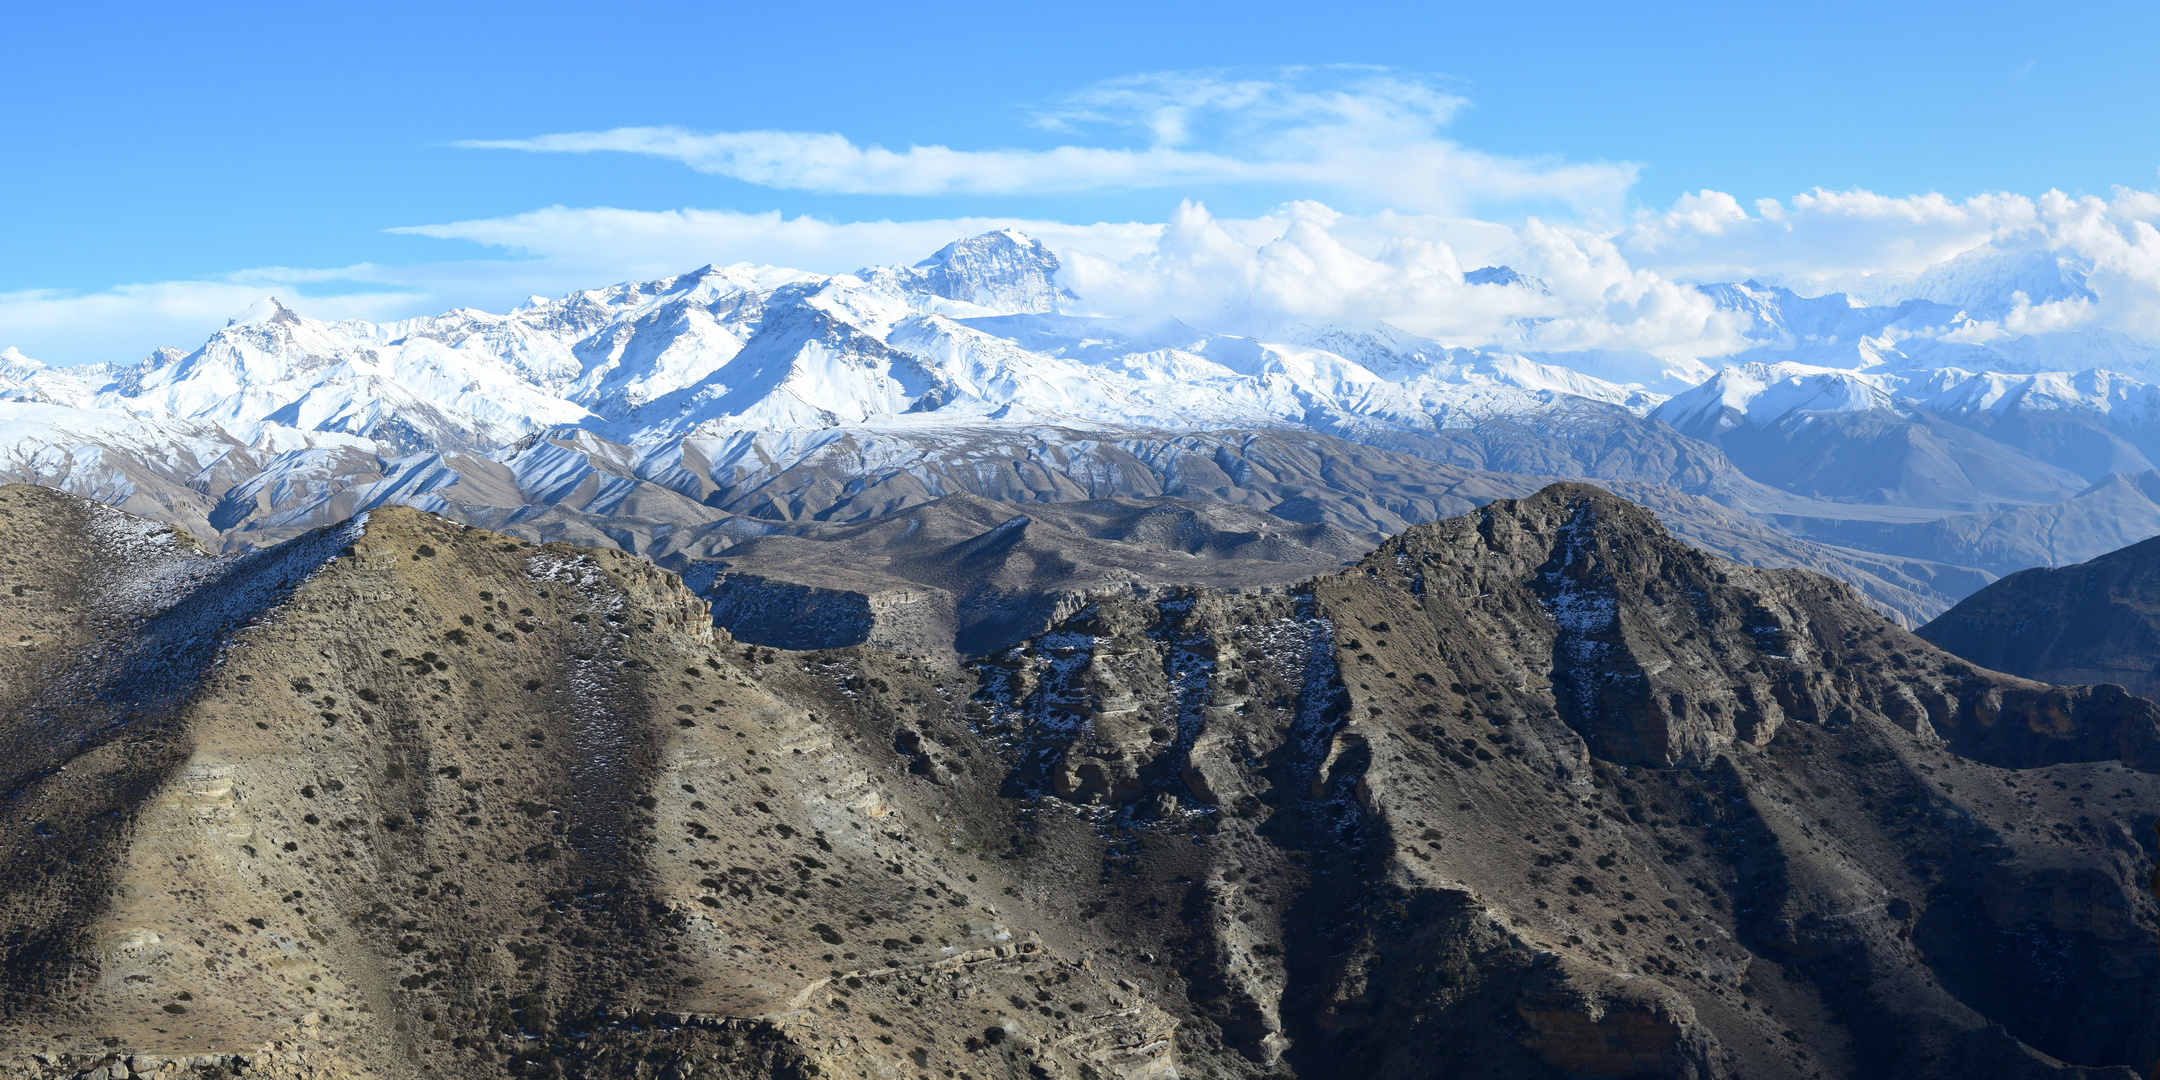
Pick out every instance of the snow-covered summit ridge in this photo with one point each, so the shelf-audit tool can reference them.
(1983, 283)
(974, 333)
(1760, 394)
(983, 333)
(1006, 272)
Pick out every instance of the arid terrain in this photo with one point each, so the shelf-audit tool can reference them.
(1536, 791)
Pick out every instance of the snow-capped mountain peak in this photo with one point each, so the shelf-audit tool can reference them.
(1504, 276)
(1763, 394)
(974, 338)
(1981, 284)
(1005, 272)
(269, 309)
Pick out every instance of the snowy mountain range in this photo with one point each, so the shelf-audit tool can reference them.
(769, 394)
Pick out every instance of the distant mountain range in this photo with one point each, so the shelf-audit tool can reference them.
(738, 400)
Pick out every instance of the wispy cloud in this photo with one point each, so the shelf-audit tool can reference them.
(122, 324)
(1362, 133)
(618, 244)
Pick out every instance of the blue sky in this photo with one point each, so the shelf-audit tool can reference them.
(161, 161)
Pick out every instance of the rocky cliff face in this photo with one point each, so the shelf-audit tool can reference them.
(1533, 792)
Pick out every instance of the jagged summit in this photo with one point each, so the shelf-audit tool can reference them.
(1006, 271)
(269, 309)
(1503, 276)
(1638, 617)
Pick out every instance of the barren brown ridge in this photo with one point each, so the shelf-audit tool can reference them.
(1537, 791)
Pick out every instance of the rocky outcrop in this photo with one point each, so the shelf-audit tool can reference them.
(1656, 813)
(1590, 1021)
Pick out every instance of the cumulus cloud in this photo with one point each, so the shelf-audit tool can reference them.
(1369, 135)
(1822, 235)
(2119, 241)
(2025, 317)
(1257, 274)
(1309, 264)
(1882, 249)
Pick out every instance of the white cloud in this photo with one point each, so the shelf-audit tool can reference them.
(1877, 246)
(1371, 136)
(2026, 317)
(1613, 293)
(1309, 264)
(122, 324)
(1708, 236)
(605, 244)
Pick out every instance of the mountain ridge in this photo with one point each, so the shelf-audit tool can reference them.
(1765, 833)
(763, 393)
